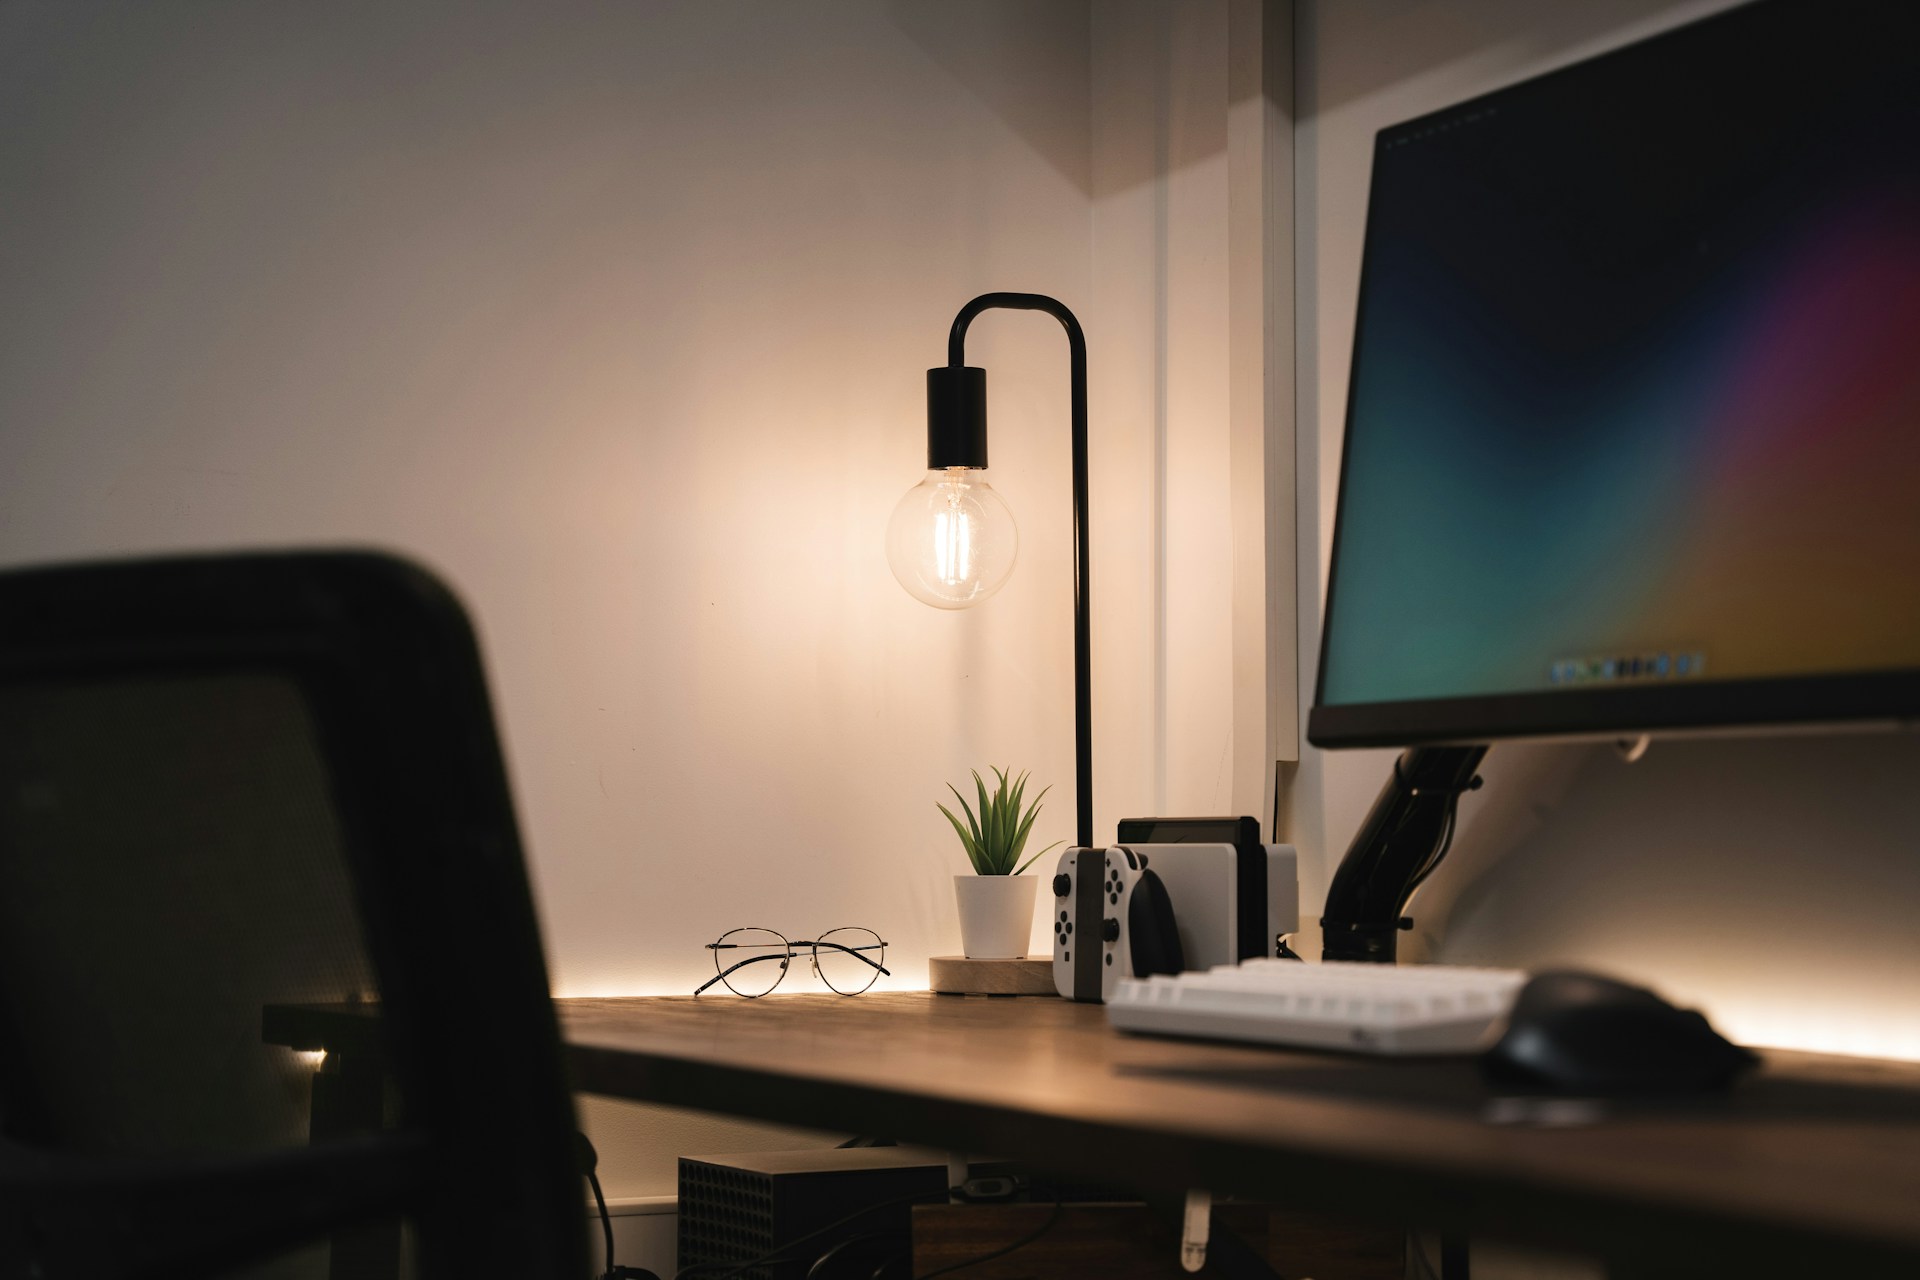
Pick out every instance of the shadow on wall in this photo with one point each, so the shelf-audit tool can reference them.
(989, 48)
(994, 58)
(1420, 36)
(1774, 881)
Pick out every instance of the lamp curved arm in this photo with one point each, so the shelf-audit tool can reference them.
(1082, 647)
(957, 336)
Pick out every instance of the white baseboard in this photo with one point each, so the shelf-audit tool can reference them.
(627, 1206)
(645, 1233)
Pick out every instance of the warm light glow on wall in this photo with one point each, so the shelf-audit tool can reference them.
(1819, 1031)
(904, 978)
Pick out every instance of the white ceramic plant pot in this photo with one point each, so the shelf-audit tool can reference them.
(996, 915)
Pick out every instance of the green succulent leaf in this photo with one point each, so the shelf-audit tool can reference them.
(1026, 825)
(967, 840)
(996, 837)
(1043, 853)
(989, 845)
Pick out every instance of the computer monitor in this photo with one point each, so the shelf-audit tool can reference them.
(1633, 430)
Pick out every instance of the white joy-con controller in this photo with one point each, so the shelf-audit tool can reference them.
(1120, 873)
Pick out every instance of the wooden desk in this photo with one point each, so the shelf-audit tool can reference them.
(1812, 1167)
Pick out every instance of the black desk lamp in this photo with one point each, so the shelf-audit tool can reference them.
(952, 541)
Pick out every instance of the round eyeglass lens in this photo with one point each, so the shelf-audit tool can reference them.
(849, 960)
(752, 961)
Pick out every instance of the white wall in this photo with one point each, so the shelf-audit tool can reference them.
(1775, 882)
(618, 316)
(1190, 137)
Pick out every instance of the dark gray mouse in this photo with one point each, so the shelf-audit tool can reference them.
(1580, 1033)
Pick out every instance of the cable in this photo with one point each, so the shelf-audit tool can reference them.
(1021, 1243)
(735, 1268)
(1439, 853)
(1445, 844)
(587, 1160)
(606, 1221)
(823, 1266)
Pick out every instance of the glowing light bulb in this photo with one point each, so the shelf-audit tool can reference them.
(952, 540)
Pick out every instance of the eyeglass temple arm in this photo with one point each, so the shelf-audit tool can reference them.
(741, 964)
(855, 953)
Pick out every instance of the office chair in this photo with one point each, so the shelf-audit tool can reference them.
(234, 781)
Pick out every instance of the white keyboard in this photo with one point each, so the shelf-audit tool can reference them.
(1363, 1008)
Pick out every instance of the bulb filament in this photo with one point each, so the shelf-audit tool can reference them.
(953, 545)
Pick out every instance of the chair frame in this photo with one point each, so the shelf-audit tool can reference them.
(484, 1158)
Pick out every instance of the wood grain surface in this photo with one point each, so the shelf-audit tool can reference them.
(958, 975)
(1130, 1242)
(1814, 1162)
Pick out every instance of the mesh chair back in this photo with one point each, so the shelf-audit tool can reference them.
(233, 783)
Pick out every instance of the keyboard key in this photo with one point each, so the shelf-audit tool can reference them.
(1365, 1008)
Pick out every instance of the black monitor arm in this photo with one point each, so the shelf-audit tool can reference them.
(1405, 836)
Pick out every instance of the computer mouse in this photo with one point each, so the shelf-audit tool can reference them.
(1581, 1033)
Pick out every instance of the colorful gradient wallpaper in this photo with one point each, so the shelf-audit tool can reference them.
(1636, 385)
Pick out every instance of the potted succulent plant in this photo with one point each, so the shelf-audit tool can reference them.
(996, 901)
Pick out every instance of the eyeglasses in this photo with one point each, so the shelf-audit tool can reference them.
(751, 962)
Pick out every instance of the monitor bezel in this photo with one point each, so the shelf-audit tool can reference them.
(1711, 706)
(1890, 696)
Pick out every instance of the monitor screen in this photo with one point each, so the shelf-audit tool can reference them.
(1633, 426)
